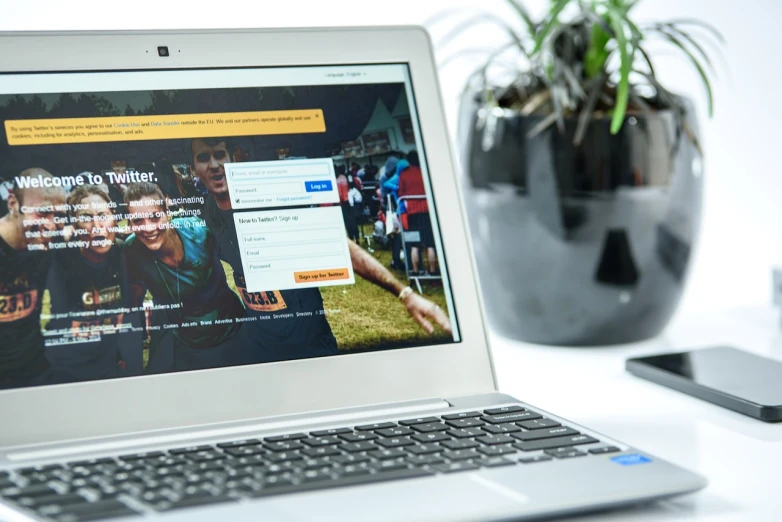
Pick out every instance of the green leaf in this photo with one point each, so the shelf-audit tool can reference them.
(556, 9)
(700, 23)
(701, 72)
(524, 15)
(694, 43)
(596, 54)
(626, 64)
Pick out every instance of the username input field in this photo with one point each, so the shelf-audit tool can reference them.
(244, 174)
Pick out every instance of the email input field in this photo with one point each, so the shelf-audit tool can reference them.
(291, 250)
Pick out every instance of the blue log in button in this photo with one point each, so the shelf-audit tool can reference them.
(317, 186)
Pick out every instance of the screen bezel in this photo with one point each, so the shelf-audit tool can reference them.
(155, 402)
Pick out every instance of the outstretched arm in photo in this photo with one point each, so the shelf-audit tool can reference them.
(422, 310)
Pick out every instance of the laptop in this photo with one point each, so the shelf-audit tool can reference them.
(236, 284)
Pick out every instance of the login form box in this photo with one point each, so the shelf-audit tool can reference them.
(294, 248)
(266, 184)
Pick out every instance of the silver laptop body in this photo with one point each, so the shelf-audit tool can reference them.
(68, 438)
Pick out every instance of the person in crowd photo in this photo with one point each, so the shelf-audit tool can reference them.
(95, 335)
(178, 261)
(27, 231)
(412, 192)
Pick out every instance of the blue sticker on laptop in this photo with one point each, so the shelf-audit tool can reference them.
(631, 459)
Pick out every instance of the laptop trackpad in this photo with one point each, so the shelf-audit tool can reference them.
(463, 496)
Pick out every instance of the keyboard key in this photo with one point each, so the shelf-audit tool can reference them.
(282, 456)
(354, 470)
(316, 463)
(54, 500)
(142, 456)
(96, 511)
(494, 462)
(321, 441)
(504, 418)
(455, 466)
(332, 431)
(430, 427)
(244, 451)
(491, 440)
(239, 443)
(376, 426)
(546, 433)
(604, 450)
(4, 474)
(465, 454)
(283, 446)
(424, 449)
(459, 444)
(463, 415)
(431, 437)
(565, 453)
(350, 459)
(397, 442)
(419, 420)
(288, 437)
(538, 424)
(558, 442)
(39, 490)
(197, 499)
(6, 483)
(496, 429)
(395, 432)
(205, 456)
(324, 451)
(164, 462)
(380, 476)
(388, 465)
(533, 460)
(425, 460)
(190, 449)
(465, 423)
(465, 433)
(383, 454)
(493, 451)
(276, 481)
(313, 476)
(358, 437)
(355, 447)
(503, 409)
(35, 469)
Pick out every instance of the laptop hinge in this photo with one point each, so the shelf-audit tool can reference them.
(345, 416)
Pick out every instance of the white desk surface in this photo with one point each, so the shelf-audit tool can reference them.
(741, 457)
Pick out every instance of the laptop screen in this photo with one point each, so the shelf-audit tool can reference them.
(166, 221)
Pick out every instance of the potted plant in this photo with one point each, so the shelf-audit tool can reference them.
(583, 175)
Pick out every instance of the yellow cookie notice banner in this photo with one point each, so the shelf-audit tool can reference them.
(174, 126)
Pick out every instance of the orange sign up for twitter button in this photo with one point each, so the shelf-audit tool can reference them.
(313, 276)
(167, 127)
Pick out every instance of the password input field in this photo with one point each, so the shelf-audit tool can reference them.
(300, 263)
(267, 187)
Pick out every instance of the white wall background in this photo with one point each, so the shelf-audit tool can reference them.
(740, 238)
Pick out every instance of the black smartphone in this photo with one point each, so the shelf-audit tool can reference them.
(726, 376)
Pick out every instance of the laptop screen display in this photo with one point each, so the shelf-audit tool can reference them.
(166, 221)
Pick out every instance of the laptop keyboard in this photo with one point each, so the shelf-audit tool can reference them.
(191, 476)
